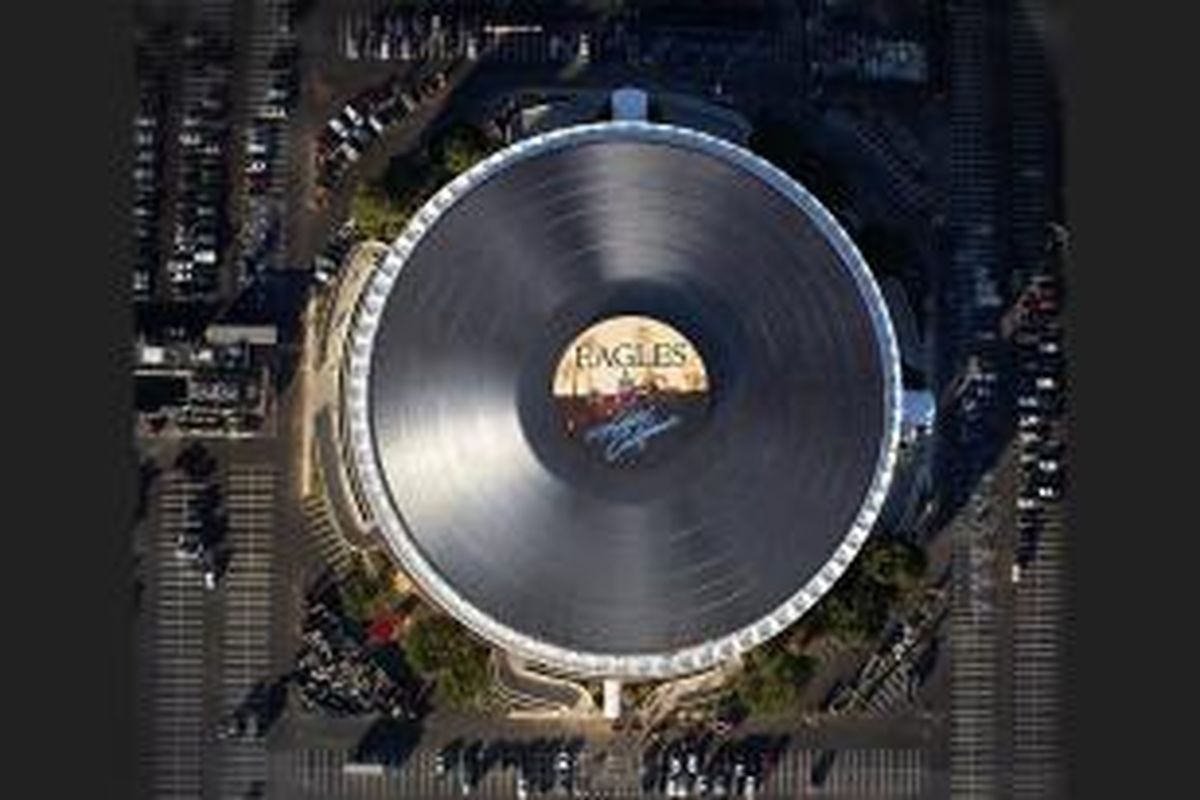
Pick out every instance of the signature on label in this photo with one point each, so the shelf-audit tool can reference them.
(629, 431)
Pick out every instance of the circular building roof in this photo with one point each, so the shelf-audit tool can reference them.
(716, 540)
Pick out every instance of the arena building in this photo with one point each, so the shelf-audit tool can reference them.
(454, 381)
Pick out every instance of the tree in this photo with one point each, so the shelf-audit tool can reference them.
(444, 651)
(892, 562)
(856, 608)
(772, 680)
(367, 589)
(461, 147)
(377, 214)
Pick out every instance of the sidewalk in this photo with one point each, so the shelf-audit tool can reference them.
(559, 697)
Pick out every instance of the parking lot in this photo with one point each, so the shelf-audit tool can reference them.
(149, 132)
(270, 81)
(852, 773)
(330, 773)
(246, 623)
(1037, 677)
(975, 650)
(200, 225)
(178, 674)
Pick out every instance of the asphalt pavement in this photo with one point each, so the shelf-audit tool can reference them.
(330, 774)
(246, 628)
(177, 675)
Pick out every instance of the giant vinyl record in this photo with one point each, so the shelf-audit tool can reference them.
(624, 399)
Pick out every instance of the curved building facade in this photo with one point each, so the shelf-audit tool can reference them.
(458, 366)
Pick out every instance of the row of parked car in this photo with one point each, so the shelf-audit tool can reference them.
(1039, 401)
(405, 36)
(147, 184)
(329, 261)
(201, 540)
(542, 765)
(200, 230)
(366, 118)
(273, 96)
(337, 673)
(695, 765)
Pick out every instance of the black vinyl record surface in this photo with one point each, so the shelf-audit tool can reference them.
(668, 546)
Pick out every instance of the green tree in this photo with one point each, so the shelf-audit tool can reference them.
(773, 680)
(461, 147)
(892, 562)
(856, 608)
(367, 589)
(377, 214)
(444, 651)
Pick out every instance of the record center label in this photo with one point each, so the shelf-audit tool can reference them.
(630, 387)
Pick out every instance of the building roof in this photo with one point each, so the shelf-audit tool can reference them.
(680, 568)
(221, 334)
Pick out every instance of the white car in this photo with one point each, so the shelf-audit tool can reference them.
(1047, 493)
(351, 114)
(337, 127)
(1015, 574)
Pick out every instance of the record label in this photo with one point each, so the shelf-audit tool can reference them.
(630, 385)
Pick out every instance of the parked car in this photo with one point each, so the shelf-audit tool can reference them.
(350, 113)
(338, 127)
